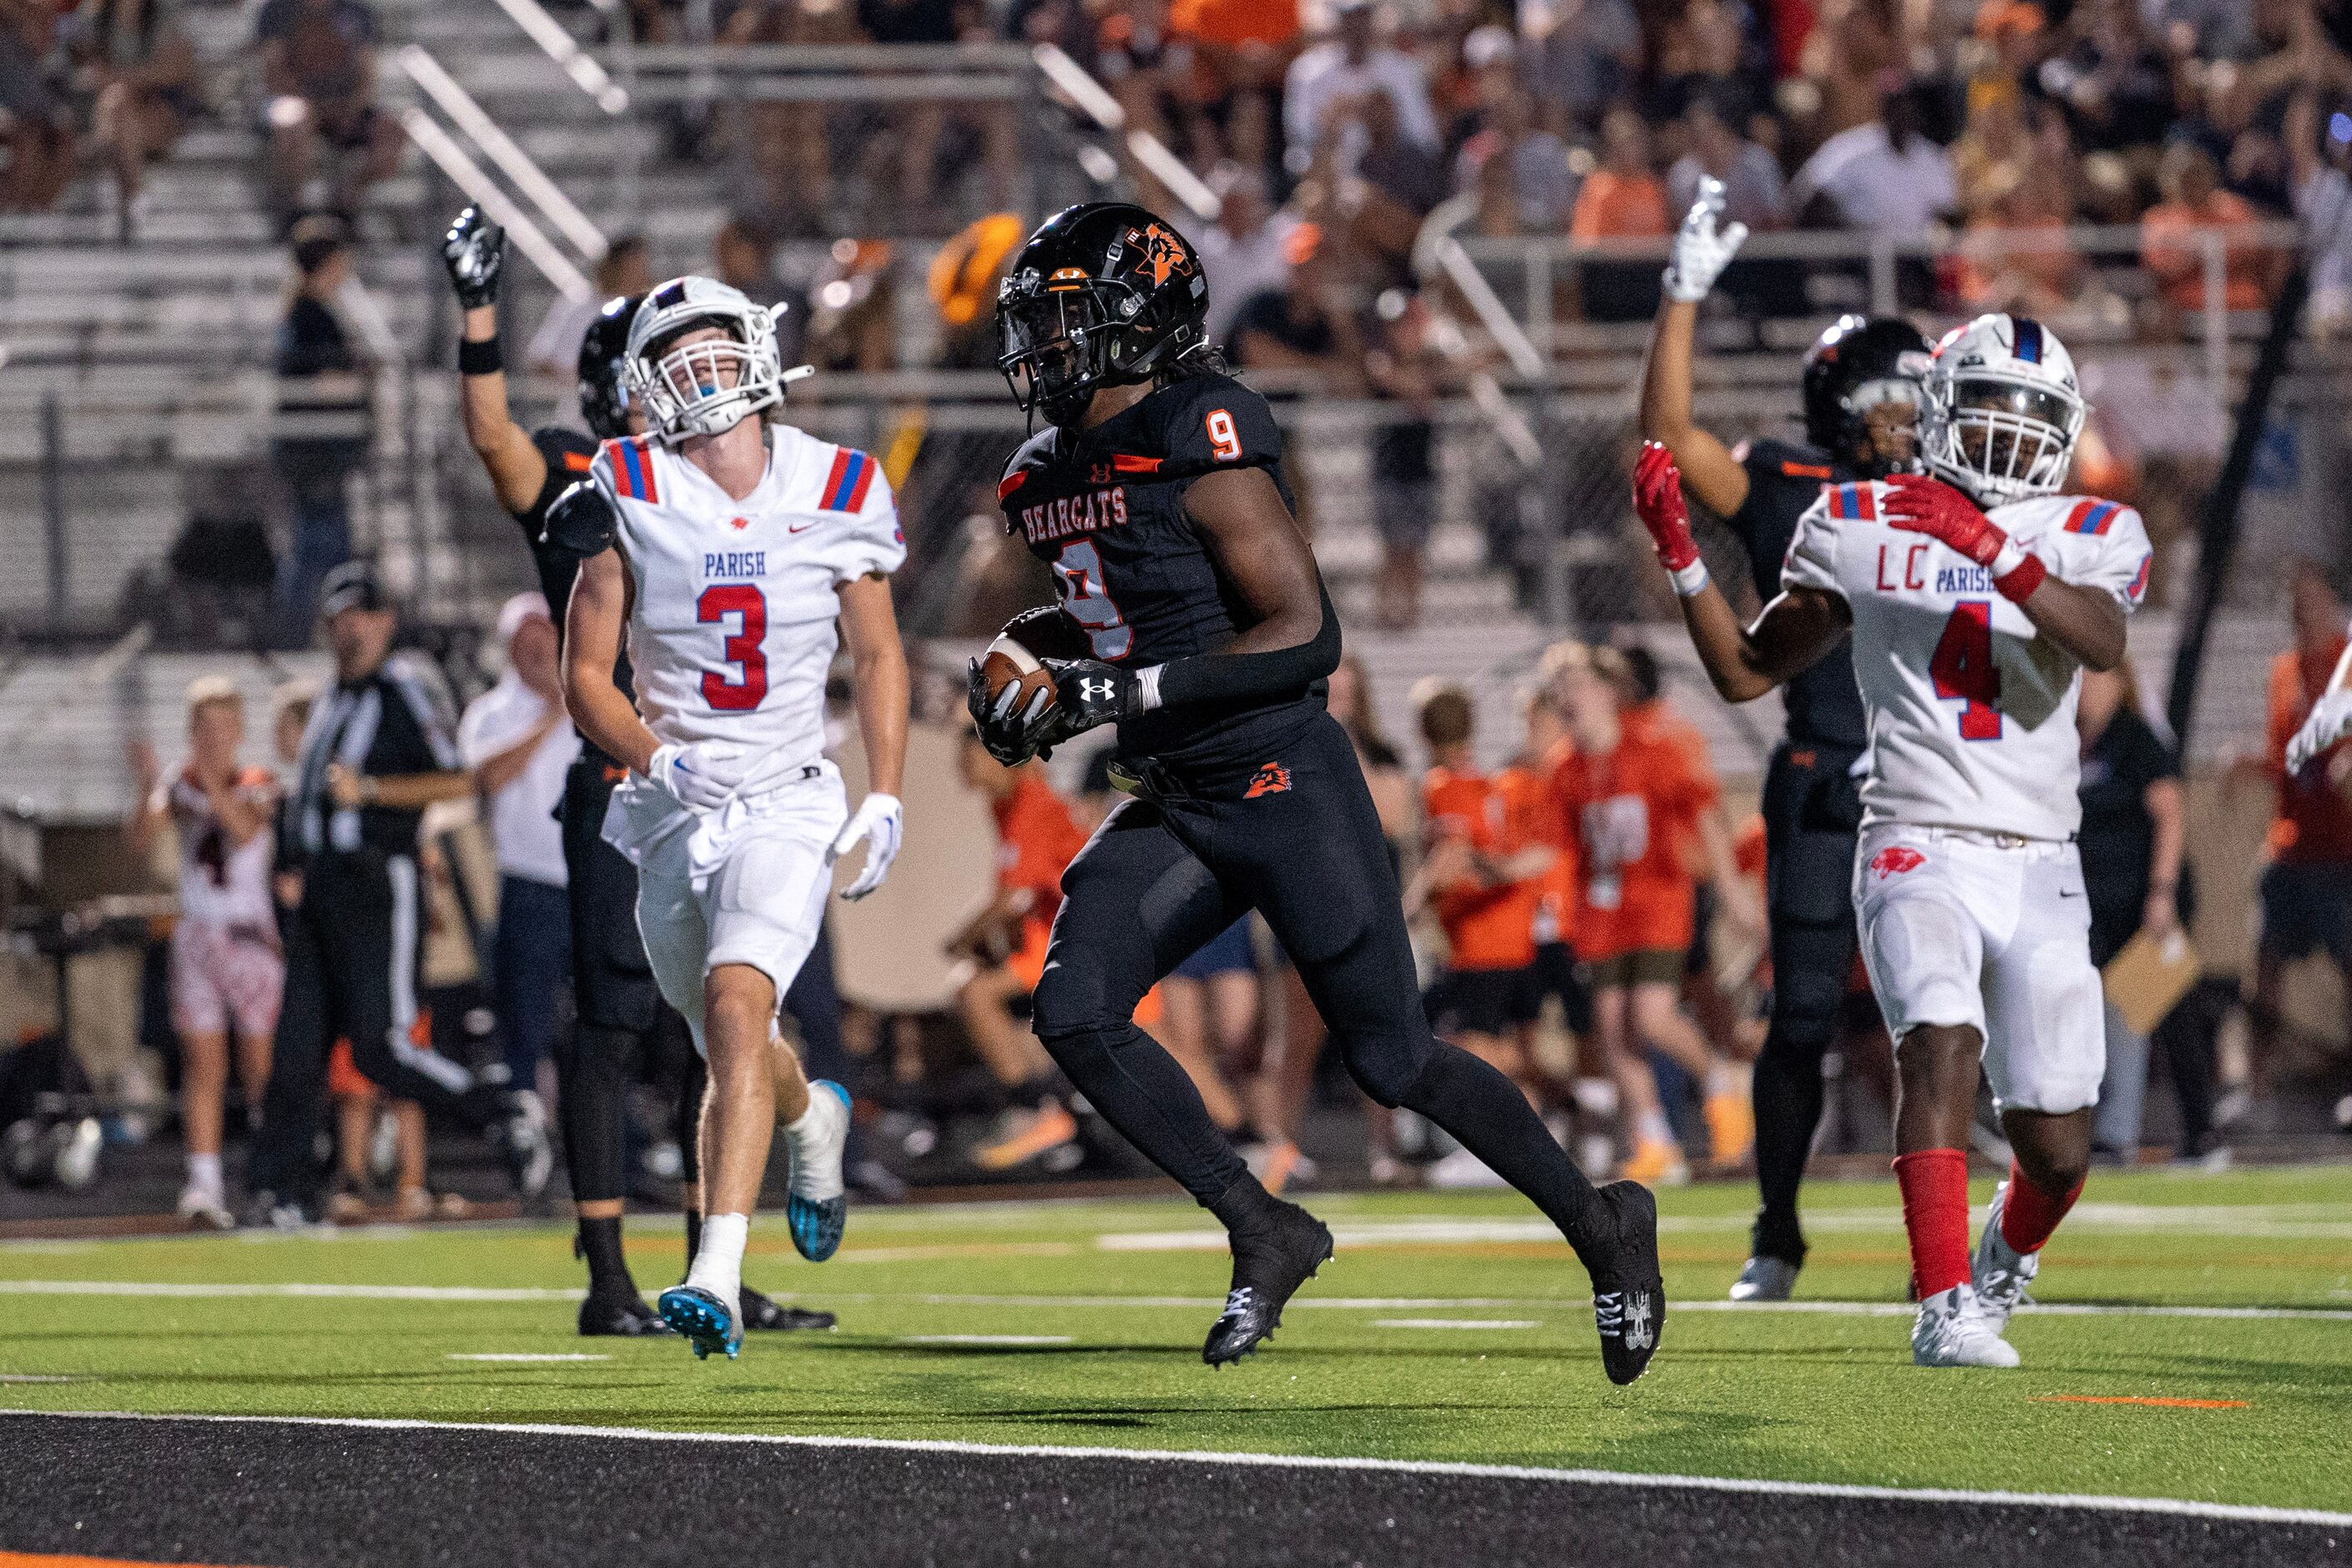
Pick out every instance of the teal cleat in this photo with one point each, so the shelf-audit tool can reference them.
(708, 1323)
(816, 1204)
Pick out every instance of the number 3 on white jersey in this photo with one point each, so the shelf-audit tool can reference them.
(1080, 569)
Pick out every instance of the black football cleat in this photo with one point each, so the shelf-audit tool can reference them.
(617, 1316)
(1270, 1262)
(762, 1314)
(1629, 1296)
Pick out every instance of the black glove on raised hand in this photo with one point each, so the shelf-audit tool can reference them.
(1009, 736)
(474, 252)
(1088, 693)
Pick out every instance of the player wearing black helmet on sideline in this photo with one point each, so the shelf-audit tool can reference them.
(1860, 409)
(619, 1013)
(1157, 498)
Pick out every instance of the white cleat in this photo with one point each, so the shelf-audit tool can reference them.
(202, 1209)
(1953, 1329)
(2002, 1272)
(1765, 1279)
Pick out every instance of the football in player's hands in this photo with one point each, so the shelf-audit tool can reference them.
(1012, 693)
(474, 252)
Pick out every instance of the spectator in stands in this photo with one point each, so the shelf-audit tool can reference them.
(1240, 49)
(1004, 948)
(36, 120)
(1302, 325)
(1753, 191)
(2111, 76)
(1622, 199)
(516, 741)
(143, 72)
(1327, 78)
(2000, 268)
(324, 418)
(852, 324)
(1852, 51)
(226, 972)
(317, 66)
(914, 147)
(1397, 181)
(789, 145)
(1580, 56)
(1244, 252)
(2318, 156)
(2172, 233)
(2307, 889)
(1484, 854)
(1881, 177)
(1519, 169)
(1405, 372)
(2299, 53)
(2135, 826)
(555, 348)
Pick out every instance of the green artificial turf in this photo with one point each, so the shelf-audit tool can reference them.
(1118, 1317)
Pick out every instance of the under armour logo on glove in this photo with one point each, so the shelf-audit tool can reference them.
(1089, 693)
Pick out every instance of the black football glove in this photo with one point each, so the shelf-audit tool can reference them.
(1011, 738)
(474, 252)
(1087, 693)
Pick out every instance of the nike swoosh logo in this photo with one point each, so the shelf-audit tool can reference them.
(803, 527)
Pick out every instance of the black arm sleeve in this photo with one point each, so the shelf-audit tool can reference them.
(1249, 677)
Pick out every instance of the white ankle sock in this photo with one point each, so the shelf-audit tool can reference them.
(719, 1262)
(817, 1132)
(1727, 1079)
(204, 1173)
(1652, 1127)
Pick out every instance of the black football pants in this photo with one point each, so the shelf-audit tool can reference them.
(1295, 836)
(1812, 812)
(351, 955)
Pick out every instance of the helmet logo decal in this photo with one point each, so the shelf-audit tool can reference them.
(1163, 255)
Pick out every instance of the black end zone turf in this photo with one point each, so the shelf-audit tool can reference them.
(295, 1495)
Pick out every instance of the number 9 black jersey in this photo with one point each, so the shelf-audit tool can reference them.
(1105, 509)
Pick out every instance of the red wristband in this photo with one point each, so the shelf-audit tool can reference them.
(2019, 585)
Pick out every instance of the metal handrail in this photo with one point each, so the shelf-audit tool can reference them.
(587, 73)
(467, 176)
(1095, 101)
(469, 117)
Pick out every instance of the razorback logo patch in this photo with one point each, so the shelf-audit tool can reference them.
(1271, 779)
(1894, 859)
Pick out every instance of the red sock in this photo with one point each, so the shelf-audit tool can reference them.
(1936, 1214)
(2029, 1215)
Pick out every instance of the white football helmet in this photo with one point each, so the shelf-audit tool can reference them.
(2003, 411)
(705, 387)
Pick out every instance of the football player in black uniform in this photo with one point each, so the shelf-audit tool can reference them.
(1861, 405)
(1204, 632)
(620, 1021)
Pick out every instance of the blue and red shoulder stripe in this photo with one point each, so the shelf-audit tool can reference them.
(1854, 503)
(2092, 516)
(846, 484)
(633, 469)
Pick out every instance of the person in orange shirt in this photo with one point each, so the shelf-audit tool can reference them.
(2307, 889)
(1545, 745)
(1637, 795)
(1622, 199)
(2194, 200)
(1483, 867)
(1005, 945)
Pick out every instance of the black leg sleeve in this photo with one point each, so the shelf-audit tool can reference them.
(282, 1157)
(1135, 904)
(593, 1078)
(1487, 1115)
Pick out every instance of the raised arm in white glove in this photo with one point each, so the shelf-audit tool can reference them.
(694, 776)
(1701, 251)
(879, 822)
(2330, 721)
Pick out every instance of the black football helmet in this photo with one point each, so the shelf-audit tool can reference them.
(603, 354)
(1849, 368)
(1104, 294)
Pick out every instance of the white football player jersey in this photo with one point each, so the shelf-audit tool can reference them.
(1971, 714)
(732, 628)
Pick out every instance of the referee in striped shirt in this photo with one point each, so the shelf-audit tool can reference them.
(377, 752)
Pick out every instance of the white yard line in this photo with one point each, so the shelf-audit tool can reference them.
(986, 1340)
(1457, 1323)
(1345, 1304)
(2170, 1506)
